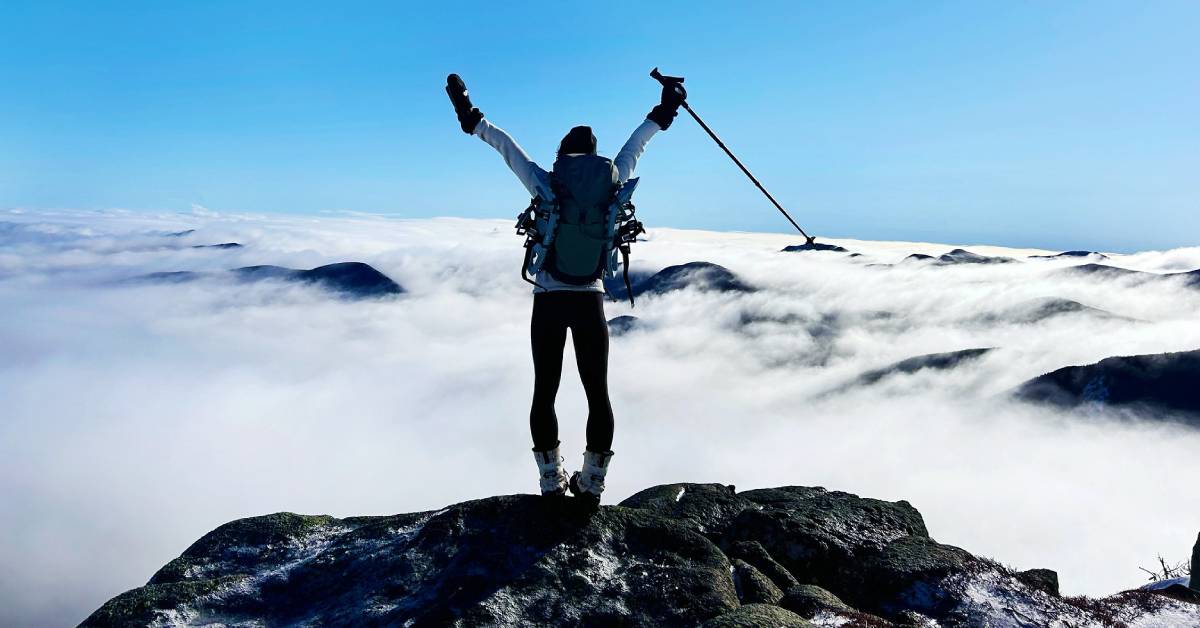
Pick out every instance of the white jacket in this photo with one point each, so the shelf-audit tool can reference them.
(532, 176)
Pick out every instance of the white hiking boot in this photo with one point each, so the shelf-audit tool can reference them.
(589, 483)
(554, 477)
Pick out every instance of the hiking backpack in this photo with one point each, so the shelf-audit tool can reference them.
(579, 230)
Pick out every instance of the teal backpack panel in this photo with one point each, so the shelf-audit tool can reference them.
(584, 186)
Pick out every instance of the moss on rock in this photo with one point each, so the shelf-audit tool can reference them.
(752, 586)
(754, 553)
(249, 542)
(141, 606)
(758, 616)
(806, 600)
(705, 508)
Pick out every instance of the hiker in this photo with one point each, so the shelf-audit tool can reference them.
(582, 180)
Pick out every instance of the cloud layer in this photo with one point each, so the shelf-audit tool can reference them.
(136, 417)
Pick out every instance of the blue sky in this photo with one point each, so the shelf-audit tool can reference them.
(1062, 125)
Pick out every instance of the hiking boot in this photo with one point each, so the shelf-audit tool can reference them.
(588, 484)
(554, 477)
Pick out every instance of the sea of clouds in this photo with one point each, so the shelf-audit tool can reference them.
(135, 417)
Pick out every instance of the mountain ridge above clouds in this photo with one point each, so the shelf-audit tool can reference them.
(959, 256)
(1162, 386)
(670, 555)
(351, 279)
(1041, 309)
(697, 275)
(934, 361)
(1191, 278)
(1092, 254)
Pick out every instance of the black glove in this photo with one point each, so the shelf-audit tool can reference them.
(673, 95)
(468, 116)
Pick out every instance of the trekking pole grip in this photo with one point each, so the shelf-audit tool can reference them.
(667, 81)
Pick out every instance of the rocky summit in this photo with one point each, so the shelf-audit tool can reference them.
(671, 555)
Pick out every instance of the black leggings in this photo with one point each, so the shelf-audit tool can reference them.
(583, 313)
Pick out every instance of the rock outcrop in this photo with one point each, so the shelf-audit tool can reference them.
(1159, 385)
(671, 555)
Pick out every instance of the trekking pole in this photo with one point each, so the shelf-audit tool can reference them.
(656, 75)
